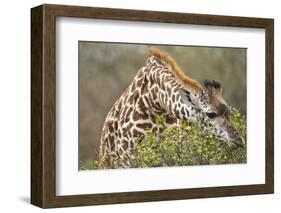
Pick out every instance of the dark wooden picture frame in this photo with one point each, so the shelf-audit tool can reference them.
(43, 105)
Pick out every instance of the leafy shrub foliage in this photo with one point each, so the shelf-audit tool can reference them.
(183, 146)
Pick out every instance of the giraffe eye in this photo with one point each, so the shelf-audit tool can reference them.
(211, 114)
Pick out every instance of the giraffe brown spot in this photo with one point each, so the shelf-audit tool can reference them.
(137, 95)
(169, 91)
(127, 116)
(125, 144)
(131, 99)
(110, 139)
(137, 134)
(144, 125)
(115, 124)
(112, 146)
(155, 129)
(182, 111)
(162, 96)
(154, 93)
(178, 98)
(173, 98)
(171, 120)
(141, 104)
(110, 126)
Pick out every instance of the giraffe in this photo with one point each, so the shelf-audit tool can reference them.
(161, 87)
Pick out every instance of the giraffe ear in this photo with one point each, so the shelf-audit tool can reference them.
(208, 84)
(213, 86)
(216, 84)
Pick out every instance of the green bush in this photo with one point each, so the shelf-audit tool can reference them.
(181, 146)
(186, 145)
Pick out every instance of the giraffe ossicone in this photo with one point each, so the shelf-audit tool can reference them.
(161, 87)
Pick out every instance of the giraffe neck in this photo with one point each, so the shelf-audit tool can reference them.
(154, 91)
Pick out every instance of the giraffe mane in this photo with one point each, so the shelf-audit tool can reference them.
(181, 76)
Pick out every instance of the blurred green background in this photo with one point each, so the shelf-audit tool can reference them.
(106, 70)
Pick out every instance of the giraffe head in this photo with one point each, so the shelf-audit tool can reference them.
(215, 115)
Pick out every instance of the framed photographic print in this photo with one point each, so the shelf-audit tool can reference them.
(135, 106)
